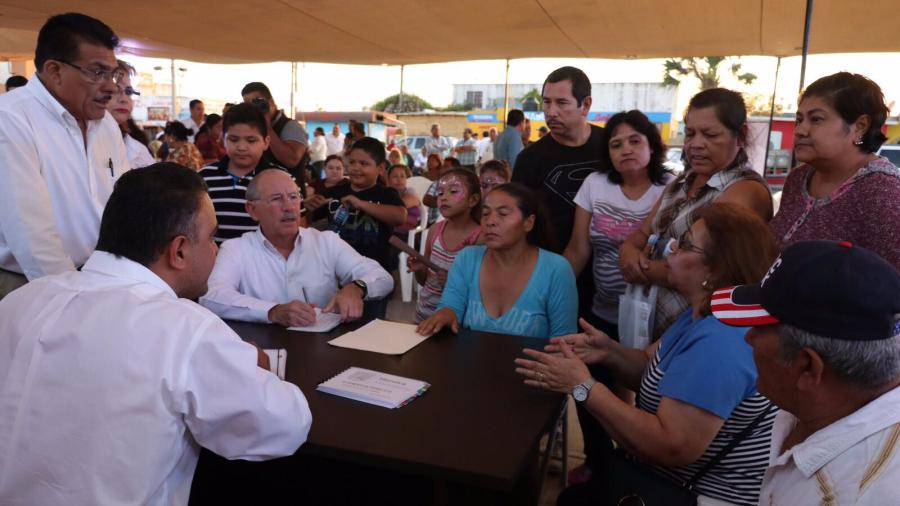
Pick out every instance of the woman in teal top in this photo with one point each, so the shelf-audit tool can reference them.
(510, 285)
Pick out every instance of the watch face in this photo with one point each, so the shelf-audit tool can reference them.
(580, 393)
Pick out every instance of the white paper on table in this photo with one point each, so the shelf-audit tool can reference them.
(325, 322)
(374, 387)
(277, 361)
(390, 338)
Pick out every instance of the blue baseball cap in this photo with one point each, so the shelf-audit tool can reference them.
(832, 289)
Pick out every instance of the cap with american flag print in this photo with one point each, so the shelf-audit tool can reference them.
(832, 289)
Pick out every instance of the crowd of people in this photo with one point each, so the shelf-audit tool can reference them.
(773, 373)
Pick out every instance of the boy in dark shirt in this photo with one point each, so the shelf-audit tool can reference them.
(372, 209)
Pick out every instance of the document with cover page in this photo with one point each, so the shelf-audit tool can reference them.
(373, 387)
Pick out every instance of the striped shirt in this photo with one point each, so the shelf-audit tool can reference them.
(443, 256)
(229, 194)
(709, 362)
(675, 216)
(613, 218)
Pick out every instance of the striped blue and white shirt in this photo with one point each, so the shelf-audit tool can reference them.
(708, 364)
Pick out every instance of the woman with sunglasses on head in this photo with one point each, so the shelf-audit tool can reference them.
(120, 108)
(696, 385)
(718, 170)
(510, 284)
(842, 191)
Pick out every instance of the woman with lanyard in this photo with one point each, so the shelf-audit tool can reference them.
(718, 170)
(843, 191)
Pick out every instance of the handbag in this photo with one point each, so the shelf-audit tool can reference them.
(636, 308)
(631, 483)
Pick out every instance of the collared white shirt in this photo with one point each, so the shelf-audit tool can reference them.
(440, 145)
(138, 154)
(251, 276)
(335, 144)
(53, 190)
(110, 384)
(318, 149)
(855, 460)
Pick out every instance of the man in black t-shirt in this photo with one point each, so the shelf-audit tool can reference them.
(555, 166)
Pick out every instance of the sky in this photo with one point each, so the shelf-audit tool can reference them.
(333, 87)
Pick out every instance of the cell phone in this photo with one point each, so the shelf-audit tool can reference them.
(262, 103)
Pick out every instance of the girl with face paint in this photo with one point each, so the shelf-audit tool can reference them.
(459, 202)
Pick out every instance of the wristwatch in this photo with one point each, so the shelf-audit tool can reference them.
(581, 391)
(362, 286)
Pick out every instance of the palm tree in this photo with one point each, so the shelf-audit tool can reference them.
(706, 69)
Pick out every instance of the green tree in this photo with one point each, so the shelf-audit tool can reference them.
(411, 103)
(536, 95)
(705, 69)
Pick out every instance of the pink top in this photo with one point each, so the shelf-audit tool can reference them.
(865, 210)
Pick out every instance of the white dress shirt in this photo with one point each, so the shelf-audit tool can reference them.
(54, 189)
(191, 125)
(318, 149)
(335, 144)
(138, 154)
(855, 460)
(110, 384)
(251, 276)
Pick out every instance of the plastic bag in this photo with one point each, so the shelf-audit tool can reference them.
(636, 308)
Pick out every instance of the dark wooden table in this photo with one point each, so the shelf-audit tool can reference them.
(477, 425)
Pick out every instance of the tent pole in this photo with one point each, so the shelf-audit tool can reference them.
(771, 117)
(806, 29)
(400, 98)
(293, 88)
(174, 112)
(505, 95)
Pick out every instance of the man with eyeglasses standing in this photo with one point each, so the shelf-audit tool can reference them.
(283, 271)
(60, 152)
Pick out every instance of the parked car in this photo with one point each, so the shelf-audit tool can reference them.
(891, 152)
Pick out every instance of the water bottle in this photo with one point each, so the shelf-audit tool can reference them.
(340, 217)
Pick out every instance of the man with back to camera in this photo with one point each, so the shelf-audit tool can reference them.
(826, 342)
(555, 166)
(508, 144)
(114, 378)
(15, 82)
(282, 271)
(61, 151)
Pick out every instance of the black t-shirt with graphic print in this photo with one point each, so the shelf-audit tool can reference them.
(556, 173)
(367, 235)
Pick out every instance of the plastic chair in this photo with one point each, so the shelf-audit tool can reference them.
(420, 186)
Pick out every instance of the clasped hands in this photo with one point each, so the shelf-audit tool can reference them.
(562, 364)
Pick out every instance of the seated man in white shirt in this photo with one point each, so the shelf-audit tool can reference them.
(113, 379)
(281, 272)
(826, 341)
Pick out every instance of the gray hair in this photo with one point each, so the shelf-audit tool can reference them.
(253, 188)
(869, 364)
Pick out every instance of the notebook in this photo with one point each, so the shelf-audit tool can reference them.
(373, 387)
(390, 338)
(325, 322)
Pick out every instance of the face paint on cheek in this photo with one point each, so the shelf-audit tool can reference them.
(453, 188)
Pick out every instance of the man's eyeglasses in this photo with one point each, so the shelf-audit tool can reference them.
(278, 198)
(97, 76)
